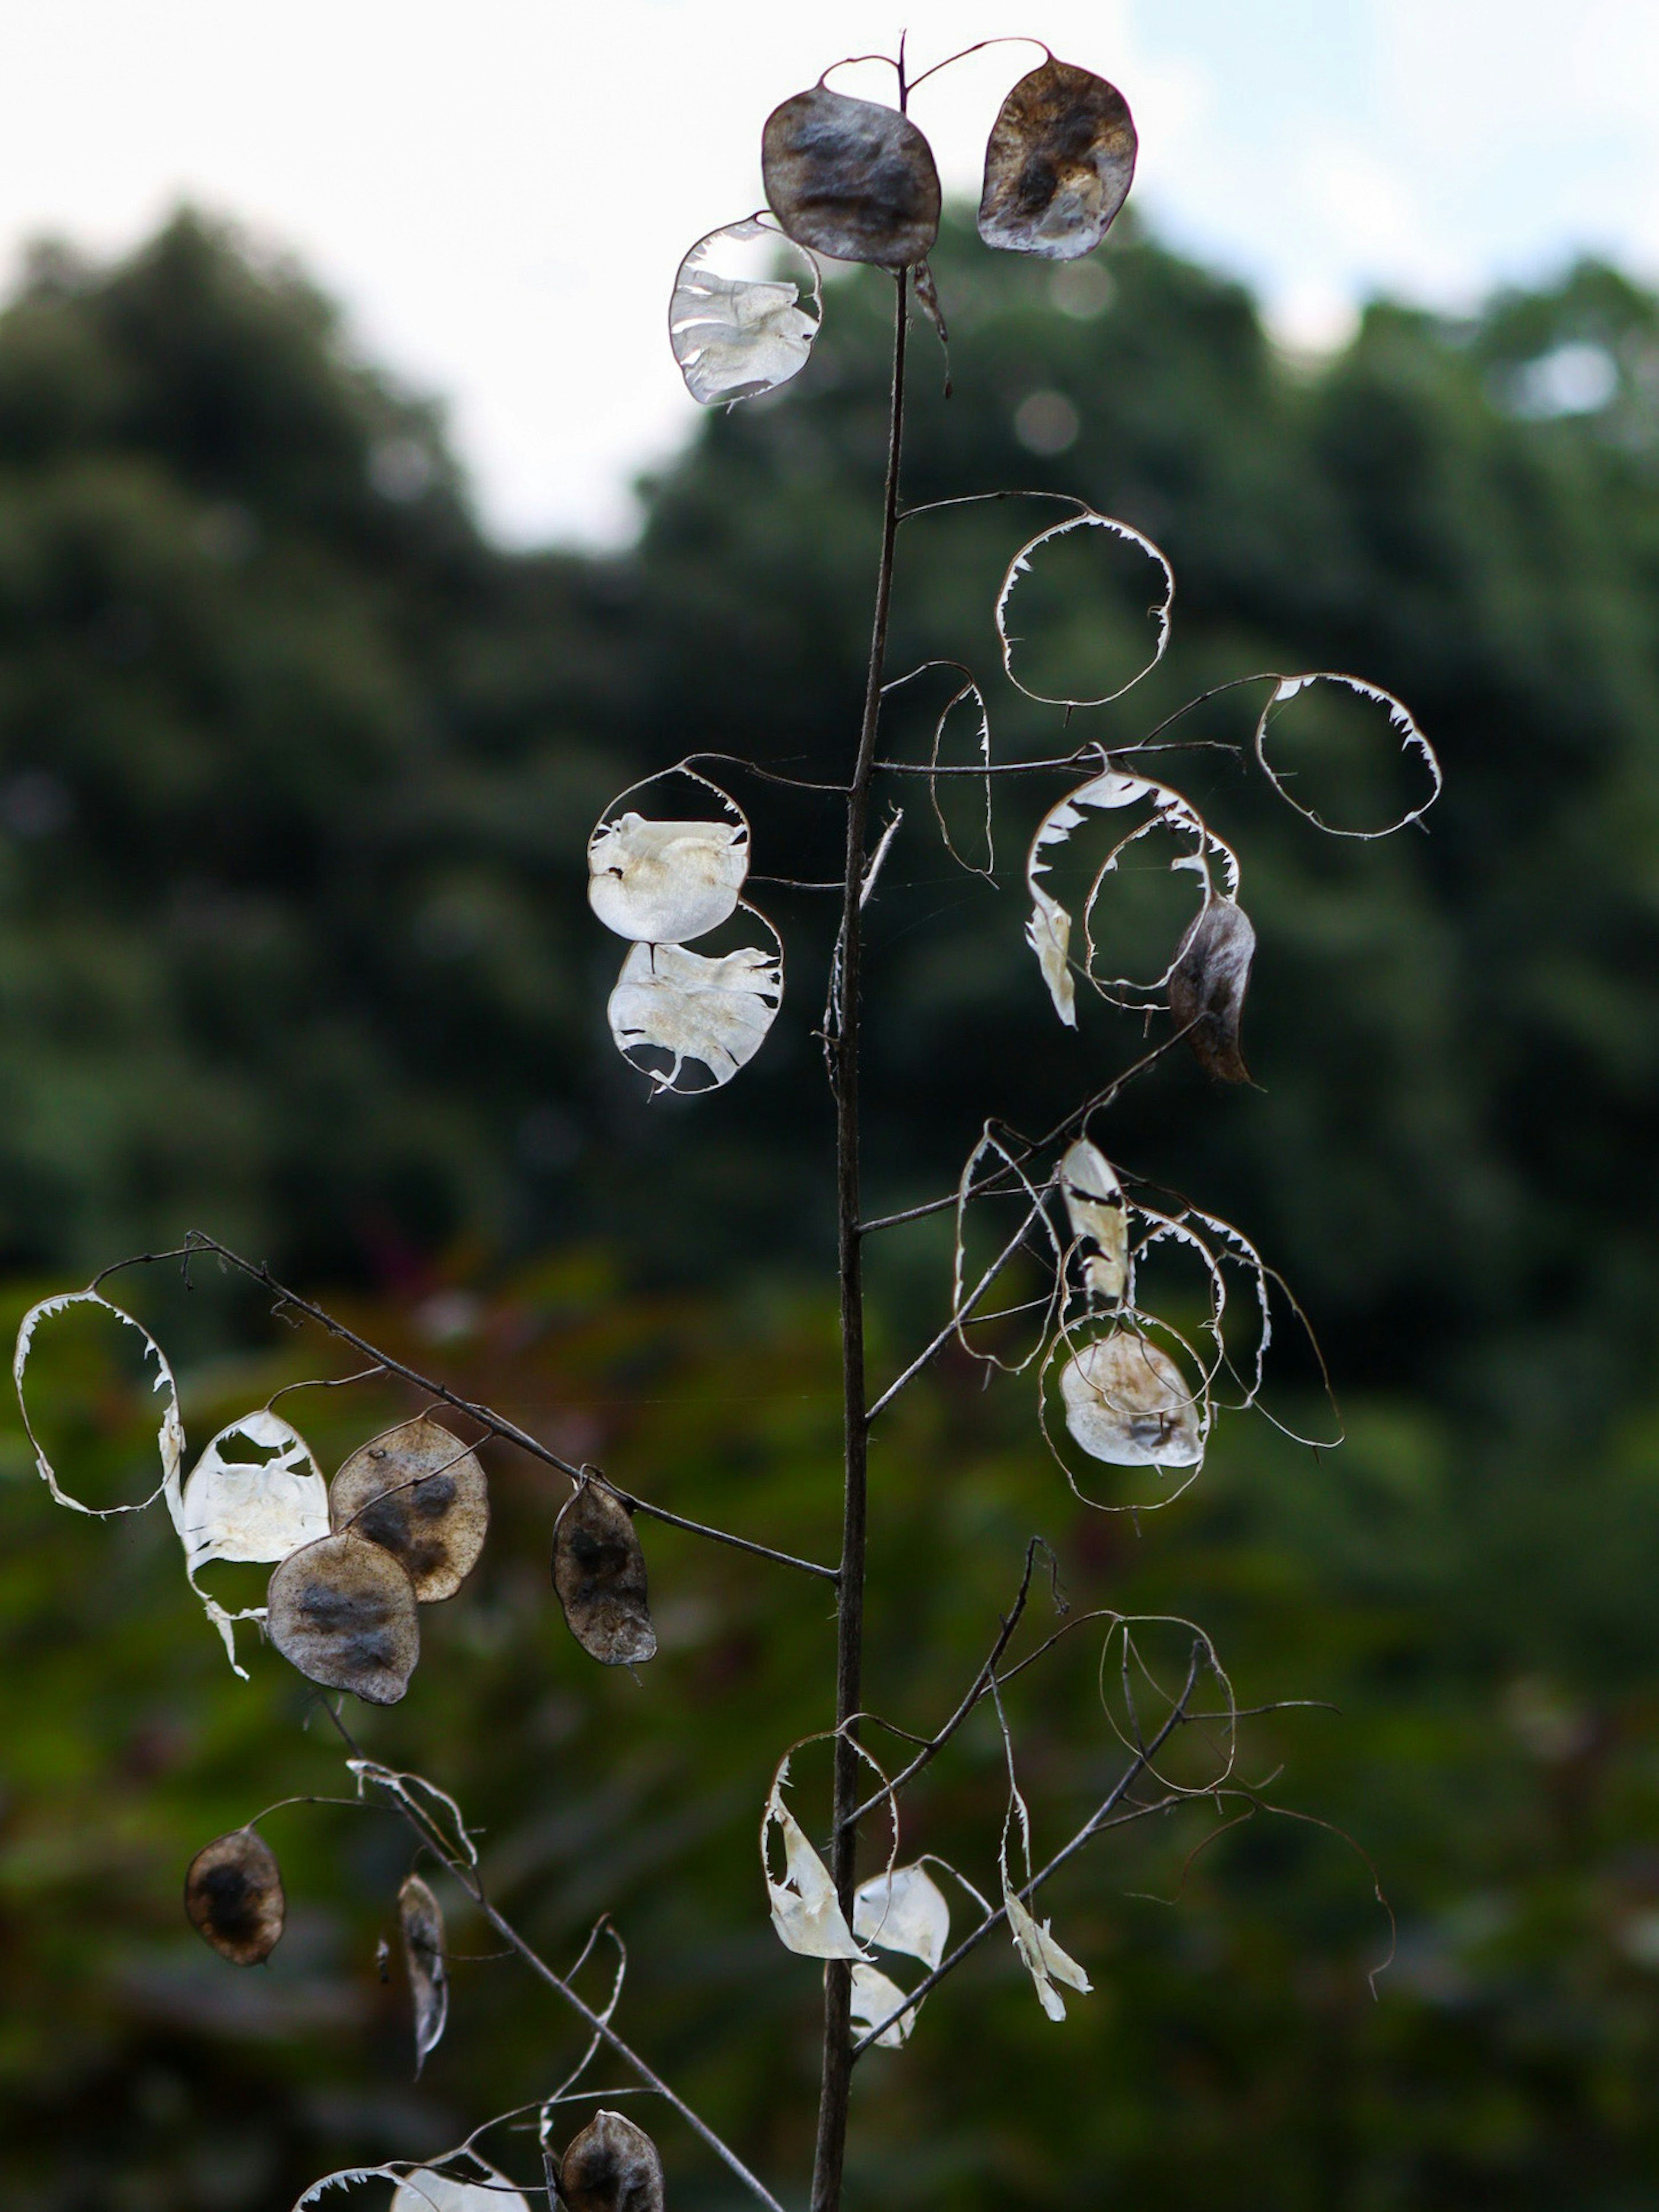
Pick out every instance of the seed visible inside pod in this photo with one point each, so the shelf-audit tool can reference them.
(851, 179)
(1127, 1403)
(1208, 985)
(343, 1611)
(612, 2166)
(234, 1895)
(598, 1572)
(419, 1493)
(421, 1917)
(1059, 163)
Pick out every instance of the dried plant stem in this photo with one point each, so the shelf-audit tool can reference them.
(849, 1595)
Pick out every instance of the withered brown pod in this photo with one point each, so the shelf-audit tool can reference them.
(851, 179)
(234, 1896)
(419, 1493)
(343, 1611)
(612, 2166)
(1207, 988)
(421, 1921)
(598, 1572)
(1058, 165)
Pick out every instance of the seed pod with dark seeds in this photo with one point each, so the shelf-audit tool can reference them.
(1058, 165)
(851, 179)
(234, 1895)
(612, 2166)
(420, 1494)
(343, 1611)
(421, 1917)
(1211, 973)
(598, 1572)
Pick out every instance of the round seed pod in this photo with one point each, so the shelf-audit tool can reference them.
(1059, 163)
(598, 1572)
(851, 179)
(1128, 1403)
(234, 1896)
(612, 2166)
(419, 1493)
(343, 1611)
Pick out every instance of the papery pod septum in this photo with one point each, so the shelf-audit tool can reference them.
(1059, 163)
(851, 179)
(343, 1612)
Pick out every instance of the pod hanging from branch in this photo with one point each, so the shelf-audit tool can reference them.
(428, 2190)
(686, 1007)
(598, 1572)
(234, 1896)
(1059, 163)
(1208, 985)
(421, 1919)
(806, 1911)
(1127, 1404)
(253, 1508)
(418, 1492)
(1096, 1210)
(612, 2166)
(666, 883)
(735, 337)
(850, 178)
(343, 1611)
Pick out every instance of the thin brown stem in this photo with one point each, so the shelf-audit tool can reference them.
(837, 2065)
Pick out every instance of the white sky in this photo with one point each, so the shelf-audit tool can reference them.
(500, 190)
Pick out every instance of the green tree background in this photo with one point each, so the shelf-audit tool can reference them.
(295, 773)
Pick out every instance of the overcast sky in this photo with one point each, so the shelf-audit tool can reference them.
(500, 190)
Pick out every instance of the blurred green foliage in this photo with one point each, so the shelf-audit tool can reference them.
(295, 773)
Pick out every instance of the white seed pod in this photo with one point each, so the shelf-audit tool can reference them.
(1059, 163)
(425, 2190)
(257, 1509)
(1042, 1958)
(343, 1611)
(418, 1492)
(712, 1012)
(876, 1996)
(806, 1911)
(421, 1922)
(234, 1897)
(735, 337)
(612, 2166)
(1096, 1210)
(851, 179)
(1127, 1403)
(666, 883)
(905, 1910)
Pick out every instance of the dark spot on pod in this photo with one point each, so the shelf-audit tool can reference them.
(598, 1572)
(234, 1896)
(1058, 165)
(612, 2166)
(419, 1493)
(343, 1611)
(421, 1918)
(851, 179)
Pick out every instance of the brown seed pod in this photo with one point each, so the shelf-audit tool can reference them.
(421, 1917)
(1058, 164)
(419, 1493)
(851, 179)
(1207, 988)
(234, 1895)
(343, 1611)
(598, 1572)
(612, 2166)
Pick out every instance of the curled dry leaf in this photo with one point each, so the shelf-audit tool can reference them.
(598, 1572)
(425, 2190)
(905, 1910)
(877, 1998)
(714, 1012)
(1042, 1958)
(612, 2166)
(806, 1911)
(234, 1896)
(253, 1508)
(735, 337)
(418, 1492)
(343, 1611)
(421, 1918)
(1096, 1210)
(1207, 985)
(664, 883)
(170, 1438)
(851, 179)
(1127, 1403)
(1059, 163)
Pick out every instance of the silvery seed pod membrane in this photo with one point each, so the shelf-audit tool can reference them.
(850, 178)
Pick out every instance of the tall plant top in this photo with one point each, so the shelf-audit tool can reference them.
(1125, 1398)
